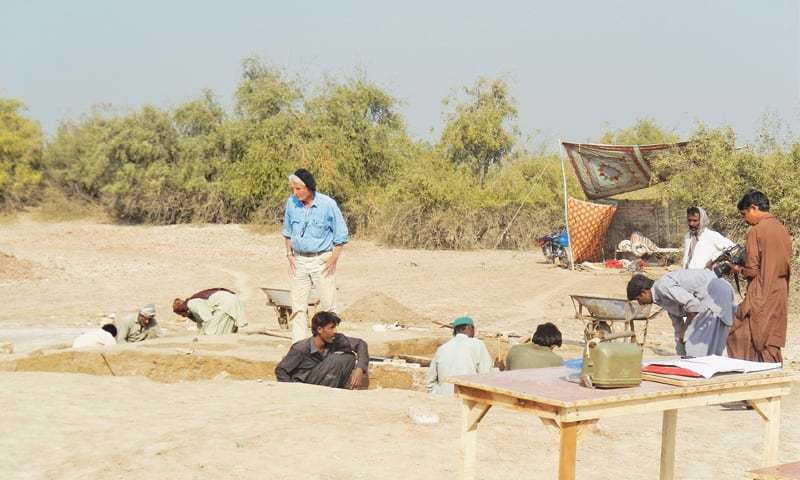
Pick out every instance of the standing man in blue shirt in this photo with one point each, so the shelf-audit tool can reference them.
(314, 233)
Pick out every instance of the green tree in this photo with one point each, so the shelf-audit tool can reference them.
(20, 155)
(477, 133)
(262, 141)
(265, 91)
(709, 172)
(353, 137)
(644, 132)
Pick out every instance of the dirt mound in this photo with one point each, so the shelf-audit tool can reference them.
(12, 268)
(381, 308)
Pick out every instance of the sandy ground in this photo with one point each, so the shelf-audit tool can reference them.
(107, 428)
(70, 276)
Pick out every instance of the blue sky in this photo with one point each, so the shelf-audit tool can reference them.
(574, 67)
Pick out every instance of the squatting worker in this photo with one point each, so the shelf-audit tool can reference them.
(326, 358)
(539, 353)
(99, 337)
(700, 305)
(759, 329)
(138, 326)
(217, 311)
(314, 233)
(461, 355)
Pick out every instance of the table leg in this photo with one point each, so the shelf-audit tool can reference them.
(669, 424)
(471, 415)
(567, 451)
(770, 411)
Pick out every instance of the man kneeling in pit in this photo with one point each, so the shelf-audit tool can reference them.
(326, 358)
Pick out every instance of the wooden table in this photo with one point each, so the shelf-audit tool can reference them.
(568, 407)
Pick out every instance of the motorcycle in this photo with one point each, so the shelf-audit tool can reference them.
(554, 246)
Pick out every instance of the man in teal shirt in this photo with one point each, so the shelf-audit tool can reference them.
(539, 353)
(314, 233)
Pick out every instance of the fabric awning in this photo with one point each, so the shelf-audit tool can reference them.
(605, 170)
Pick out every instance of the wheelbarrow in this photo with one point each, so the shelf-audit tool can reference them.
(281, 300)
(602, 315)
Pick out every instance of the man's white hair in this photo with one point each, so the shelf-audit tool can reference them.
(295, 179)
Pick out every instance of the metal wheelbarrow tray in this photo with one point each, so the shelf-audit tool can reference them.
(281, 300)
(602, 313)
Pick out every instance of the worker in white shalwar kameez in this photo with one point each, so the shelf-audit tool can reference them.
(700, 305)
(701, 244)
(461, 355)
(99, 337)
(217, 311)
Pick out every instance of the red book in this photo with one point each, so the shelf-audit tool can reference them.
(670, 370)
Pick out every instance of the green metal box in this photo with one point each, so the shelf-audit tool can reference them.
(612, 365)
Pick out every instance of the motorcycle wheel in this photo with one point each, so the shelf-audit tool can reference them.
(547, 251)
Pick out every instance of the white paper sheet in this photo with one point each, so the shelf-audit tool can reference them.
(713, 364)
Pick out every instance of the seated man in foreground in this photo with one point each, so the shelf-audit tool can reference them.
(705, 301)
(461, 355)
(539, 353)
(326, 358)
(217, 311)
(99, 337)
(139, 326)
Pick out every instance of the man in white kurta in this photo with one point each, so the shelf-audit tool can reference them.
(461, 355)
(701, 244)
(98, 337)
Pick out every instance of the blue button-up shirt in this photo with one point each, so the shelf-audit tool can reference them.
(315, 229)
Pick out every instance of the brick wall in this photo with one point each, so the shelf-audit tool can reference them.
(662, 224)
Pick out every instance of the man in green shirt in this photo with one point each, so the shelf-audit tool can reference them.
(539, 353)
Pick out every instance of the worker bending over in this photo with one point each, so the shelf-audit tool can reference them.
(217, 311)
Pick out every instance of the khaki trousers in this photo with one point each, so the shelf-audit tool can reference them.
(308, 273)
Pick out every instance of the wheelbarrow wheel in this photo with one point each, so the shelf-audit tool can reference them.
(283, 318)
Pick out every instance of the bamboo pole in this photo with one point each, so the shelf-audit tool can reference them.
(566, 209)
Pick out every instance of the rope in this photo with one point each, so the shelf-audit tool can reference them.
(514, 217)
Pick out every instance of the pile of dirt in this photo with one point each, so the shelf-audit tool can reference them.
(381, 308)
(12, 268)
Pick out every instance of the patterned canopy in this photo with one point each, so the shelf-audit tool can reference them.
(605, 170)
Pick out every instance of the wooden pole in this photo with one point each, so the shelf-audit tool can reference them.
(567, 451)
(669, 425)
(566, 209)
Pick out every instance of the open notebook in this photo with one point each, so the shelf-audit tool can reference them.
(707, 367)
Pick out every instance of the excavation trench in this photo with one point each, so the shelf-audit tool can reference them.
(252, 357)
(399, 358)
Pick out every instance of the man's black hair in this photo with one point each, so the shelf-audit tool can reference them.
(753, 197)
(637, 284)
(110, 328)
(460, 329)
(692, 211)
(307, 178)
(547, 335)
(322, 320)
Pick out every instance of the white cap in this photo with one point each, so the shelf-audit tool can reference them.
(148, 311)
